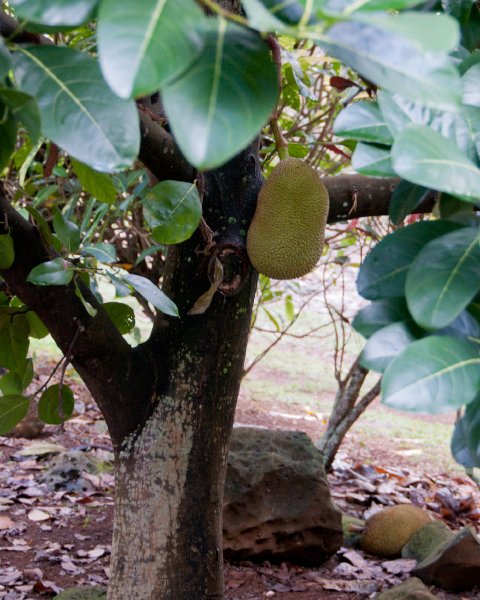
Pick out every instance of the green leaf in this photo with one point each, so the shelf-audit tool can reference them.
(460, 9)
(378, 315)
(363, 121)
(7, 252)
(425, 157)
(37, 328)
(145, 44)
(67, 231)
(173, 210)
(8, 135)
(105, 253)
(377, 5)
(24, 107)
(214, 115)
(10, 383)
(90, 122)
(122, 315)
(471, 86)
(51, 408)
(91, 310)
(465, 444)
(395, 63)
(13, 409)
(53, 272)
(433, 375)
(14, 342)
(289, 307)
(5, 61)
(259, 17)
(152, 294)
(385, 344)
(463, 326)
(372, 160)
(55, 13)
(444, 278)
(405, 199)
(384, 271)
(99, 185)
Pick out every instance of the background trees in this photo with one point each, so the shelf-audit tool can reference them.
(69, 72)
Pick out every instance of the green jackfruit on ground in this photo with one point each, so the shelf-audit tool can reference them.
(285, 239)
(387, 531)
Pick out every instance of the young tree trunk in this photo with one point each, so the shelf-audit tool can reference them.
(167, 542)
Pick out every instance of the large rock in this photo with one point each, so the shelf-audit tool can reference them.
(277, 502)
(426, 541)
(455, 565)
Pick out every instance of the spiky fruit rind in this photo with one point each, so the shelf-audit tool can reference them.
(285, 239)
(387, 531)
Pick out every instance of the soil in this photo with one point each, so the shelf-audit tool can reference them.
(58, 539)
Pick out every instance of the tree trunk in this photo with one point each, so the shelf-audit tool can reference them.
(167, 541)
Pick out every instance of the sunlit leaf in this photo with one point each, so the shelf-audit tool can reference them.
(100, 185)
(372, 160)
(363, 121)
(385, 344)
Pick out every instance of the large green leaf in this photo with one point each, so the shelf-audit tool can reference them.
(13, 409)
(152, 293)
(376, 161)
(405, 199)
(433, 375)
(363, 121)
(67, 231)
(378, 315)
(395, 63)
(100, 185)
(147, 43)
(55, 12)
(54, 407)
(105, 253)
(471, 86)
(53, 272)
(7, 252)
(14, 342)
(24, 107)
(221, 103)
(122, 315)
(79, 112)
(463, 326)
(348, 7)
(386, 344)
(444, 278)
(173, 210)
(384, 271)
(425, 157)
(5, 61)
(465, 444)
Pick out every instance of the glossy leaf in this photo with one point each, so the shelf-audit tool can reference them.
(152, 294)
(405, 199)
(471, 86)
(173, 210)
(54, 409)
(122, 315)
(67, 231)
(13, 408)
(463, 326)
(263, 19)
(5, 61)
(55, 13)
(385, 344)
(465, 444)
(24, 107)
(395, 63)
(53, 272)
(444, 278)
(105, 253)
(363, 121)
(434, 375)
(384, 271)
(425, 157)
(378, 315)
(372, 160)
(90, 122)
(7, 252)
(99, 185)
(147, 43)
(212, 114)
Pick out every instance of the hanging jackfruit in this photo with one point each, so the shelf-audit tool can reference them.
(285, 239)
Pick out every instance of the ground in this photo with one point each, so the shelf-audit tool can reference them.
(54, 540)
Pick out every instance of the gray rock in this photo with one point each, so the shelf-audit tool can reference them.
(426, 541)
(411, 589)
(65, 471)
(455, 565)
(277, 503)
(83, 593)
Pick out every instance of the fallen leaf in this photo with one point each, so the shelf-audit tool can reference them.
(5, 522)
(38, 515)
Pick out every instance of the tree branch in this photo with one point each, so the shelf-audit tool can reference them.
(99, 347)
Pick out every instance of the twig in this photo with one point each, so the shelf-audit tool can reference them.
(66, 362)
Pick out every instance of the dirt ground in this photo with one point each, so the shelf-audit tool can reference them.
(53, 540)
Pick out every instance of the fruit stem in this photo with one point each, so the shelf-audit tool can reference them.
(281, 143)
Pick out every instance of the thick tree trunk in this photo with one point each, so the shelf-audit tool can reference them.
(170, 472)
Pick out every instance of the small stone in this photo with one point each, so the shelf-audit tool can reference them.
(83, 593)
(411, 589)
(455, 565)
(424, 543)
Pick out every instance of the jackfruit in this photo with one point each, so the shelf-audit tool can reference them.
(285, 239)
(387, 531)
